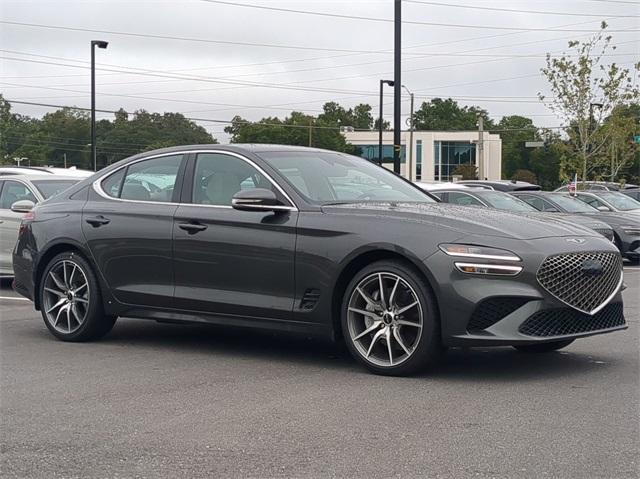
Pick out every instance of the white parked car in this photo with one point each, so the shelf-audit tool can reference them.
(46, 170)
(18, 195)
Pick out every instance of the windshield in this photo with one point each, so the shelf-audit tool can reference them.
(572, 205)
(506, 202)
(620, 201)
(48, 188)
(326, 177)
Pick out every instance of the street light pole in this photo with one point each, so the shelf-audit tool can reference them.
(380, 120)
(99, 44)
(590, 125)
(397, 85)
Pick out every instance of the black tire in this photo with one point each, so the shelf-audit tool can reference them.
(427, 347)
(95, 323)
(544, 347)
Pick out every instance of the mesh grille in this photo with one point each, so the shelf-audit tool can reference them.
(607, 233)
(561, 322)
(492, 310)
(581, 280)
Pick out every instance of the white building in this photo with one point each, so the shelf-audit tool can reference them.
(434, 155)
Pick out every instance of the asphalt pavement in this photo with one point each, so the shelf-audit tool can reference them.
(161, 400)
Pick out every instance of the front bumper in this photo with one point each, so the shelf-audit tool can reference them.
(480, 310)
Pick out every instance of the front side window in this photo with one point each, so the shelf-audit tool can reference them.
(327, 177)
(620, 201)
(506, 202)
(13, 191)
(218, 177)
(148, 180)
(572, 205)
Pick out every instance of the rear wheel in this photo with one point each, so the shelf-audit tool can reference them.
(70, 300)
(544, 347)
(389, 319)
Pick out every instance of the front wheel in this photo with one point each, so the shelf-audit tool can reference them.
(544, 347)
(70, 300)
(389, 319)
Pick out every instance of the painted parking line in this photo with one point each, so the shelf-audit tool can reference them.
(14, 298)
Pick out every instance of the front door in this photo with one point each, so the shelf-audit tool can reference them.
(228, 261)
(128, 222)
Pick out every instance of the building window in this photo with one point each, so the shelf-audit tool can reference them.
(418, 160)
(448, 155)
(370, 152)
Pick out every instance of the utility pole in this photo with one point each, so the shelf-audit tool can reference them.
(310, 130)
(64, 155)
(99, 44)
(481, 172)
(410, 146)
(381, 121)
(397, 84)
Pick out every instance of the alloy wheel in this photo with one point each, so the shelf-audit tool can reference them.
(66, 296)
(384, 319)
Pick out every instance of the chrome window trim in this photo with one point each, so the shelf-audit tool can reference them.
(97, 184)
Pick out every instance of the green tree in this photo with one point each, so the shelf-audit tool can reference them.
(515, 131)
(439, 114)
(585, 91)
(468, 172)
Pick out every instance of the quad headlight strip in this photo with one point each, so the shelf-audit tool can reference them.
(501, 260)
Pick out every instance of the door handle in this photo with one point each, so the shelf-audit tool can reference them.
(97, 221)
(192, 228)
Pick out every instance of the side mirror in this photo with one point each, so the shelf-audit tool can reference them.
(256, 199)
(602, 208)
(22, 206)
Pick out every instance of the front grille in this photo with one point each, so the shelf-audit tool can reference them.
(562, 322)
(607, 233)
(581, 280)
(492, 310)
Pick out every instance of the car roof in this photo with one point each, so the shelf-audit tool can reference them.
(43, 176)
(511, 185)
(438, 186)
(237, 147)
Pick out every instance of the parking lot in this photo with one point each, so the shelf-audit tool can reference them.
(169, 400)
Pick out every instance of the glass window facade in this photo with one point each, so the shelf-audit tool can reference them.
(370, 152)
(448, 155)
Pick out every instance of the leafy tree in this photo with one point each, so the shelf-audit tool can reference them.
(621, 126)
(585, 91)
(439, 114)
(468, 172)
(525, 175)
(514, 131)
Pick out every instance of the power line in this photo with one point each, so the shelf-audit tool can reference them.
(511, 10)
(387, 20)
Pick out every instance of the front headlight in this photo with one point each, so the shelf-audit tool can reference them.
(501, 261)
(479, 252)
(631, 230)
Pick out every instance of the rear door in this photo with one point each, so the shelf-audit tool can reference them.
(229, 261)
(11, 192)
(127, 222)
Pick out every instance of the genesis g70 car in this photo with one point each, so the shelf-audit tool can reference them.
(310, 241)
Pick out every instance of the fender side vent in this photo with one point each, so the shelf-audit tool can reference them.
(310, 299)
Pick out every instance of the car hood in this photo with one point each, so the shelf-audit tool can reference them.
(615, 218)
(464, 219)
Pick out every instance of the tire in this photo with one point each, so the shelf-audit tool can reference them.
(364, 319)
(70, 300)
(544, 347)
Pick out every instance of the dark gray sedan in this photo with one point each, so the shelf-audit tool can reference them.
(626, 228)
(315, 242)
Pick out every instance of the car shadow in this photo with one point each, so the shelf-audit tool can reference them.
(460, 364)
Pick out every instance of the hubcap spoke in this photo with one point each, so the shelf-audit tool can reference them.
(69, 318)
(372, 328)
(381, 284)
(60, 284)
(365, 312)
(393, 293)
(396, 335)
(79, 288)
(55, 291)
(74, 311)
(367, 298)
(409, 323)
(80, 299)
(60, 302)
(407, 308)
(388, 338)
(73, 271)
(376, 336)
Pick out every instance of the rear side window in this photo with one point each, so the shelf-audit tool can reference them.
(463, 199)
(148, 180)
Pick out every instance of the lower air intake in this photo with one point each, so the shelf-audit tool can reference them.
(562, 322)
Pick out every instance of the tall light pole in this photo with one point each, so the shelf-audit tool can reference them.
(99, 44)
(381, 121)
(590, 125)
(410, 147)
(397, 44)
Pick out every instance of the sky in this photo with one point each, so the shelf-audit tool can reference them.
(212, 60)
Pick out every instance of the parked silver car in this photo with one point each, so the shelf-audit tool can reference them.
(18, 194)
